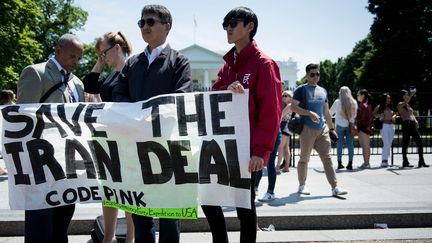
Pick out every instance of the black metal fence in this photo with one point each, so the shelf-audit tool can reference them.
(425, 131)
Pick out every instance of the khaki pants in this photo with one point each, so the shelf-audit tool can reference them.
(320, 141)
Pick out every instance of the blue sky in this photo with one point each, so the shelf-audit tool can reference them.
(308, 31)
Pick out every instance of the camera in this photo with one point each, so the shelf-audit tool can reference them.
(413, 89)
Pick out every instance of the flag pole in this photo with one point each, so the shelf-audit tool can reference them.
(194, 29)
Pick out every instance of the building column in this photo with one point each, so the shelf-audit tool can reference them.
(206, 79)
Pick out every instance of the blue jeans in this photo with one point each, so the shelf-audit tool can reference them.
(344, 132)
(271, 170)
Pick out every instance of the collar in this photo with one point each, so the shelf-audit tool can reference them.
(155, 52)
(244, 55)
(57, 64)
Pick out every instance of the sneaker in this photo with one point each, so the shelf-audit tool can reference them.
(267, 197)
(364, 166)
(303, 190)
(384, 165)
(337, 191)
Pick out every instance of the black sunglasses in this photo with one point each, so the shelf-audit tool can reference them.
(150, 22)
(104, 52)
(314, 74)
(232, 23)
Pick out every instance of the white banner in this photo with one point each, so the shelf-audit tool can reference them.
(165, 152)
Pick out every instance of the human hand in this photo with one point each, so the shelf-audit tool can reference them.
(256, 164)
(236, 87)
(333, 136)
(314, 117)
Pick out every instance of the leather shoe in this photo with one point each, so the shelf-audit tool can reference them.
(423, 164)
(406, 164)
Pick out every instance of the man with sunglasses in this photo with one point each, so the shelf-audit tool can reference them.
(157, 70)
(310, 101)
(247, 67)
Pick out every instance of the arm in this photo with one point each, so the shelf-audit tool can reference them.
(183, 76)
(29, 86)
(303, 112)
(219, 84)
(328, 117)
(268, 114)
(375, 112)
(286, 110)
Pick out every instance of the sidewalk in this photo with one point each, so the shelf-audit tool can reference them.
(400, 198)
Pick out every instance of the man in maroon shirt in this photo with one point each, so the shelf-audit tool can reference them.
(247, 67)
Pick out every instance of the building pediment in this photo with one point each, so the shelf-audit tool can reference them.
(197, 53)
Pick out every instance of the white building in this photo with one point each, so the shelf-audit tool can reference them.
(205, 65)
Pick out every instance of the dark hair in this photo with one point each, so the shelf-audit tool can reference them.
(7, 97)
(402, 93)
(311, 66)
(247, 15)
(383, 103)
(161, 11)
(366, 95)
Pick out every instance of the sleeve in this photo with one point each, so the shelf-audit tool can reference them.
(92, 84)
(269, 109)
(29, 86)
(334, 107)
(298, 94)
(354, 116)
(220, 83)
(183, 76)
(121, 90)
(370, 117)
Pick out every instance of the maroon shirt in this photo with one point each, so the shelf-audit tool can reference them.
(364, 118)
(260, 74)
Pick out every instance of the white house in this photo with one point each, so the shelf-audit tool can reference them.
(205, 65)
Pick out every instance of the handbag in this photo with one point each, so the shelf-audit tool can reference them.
(295, 123)
(352, 129)
(398, 120)
(378, 123)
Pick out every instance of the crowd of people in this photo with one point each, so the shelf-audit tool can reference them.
(159, 69)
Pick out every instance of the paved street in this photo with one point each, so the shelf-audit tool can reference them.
(400, 198)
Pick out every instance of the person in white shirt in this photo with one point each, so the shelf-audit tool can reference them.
(345, 108)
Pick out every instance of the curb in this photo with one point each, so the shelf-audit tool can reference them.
(319, 222)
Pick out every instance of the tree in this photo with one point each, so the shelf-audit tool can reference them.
(58, 18)
(351, 67)
(29, 30)
(18, 46)
(330, 73)
(402, 55)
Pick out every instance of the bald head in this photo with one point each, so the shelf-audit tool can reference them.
(68, 51)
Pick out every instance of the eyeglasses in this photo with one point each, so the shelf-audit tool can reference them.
(314, 74)
(104, 52)
(232, 23)
(285, 96)
(150, 22)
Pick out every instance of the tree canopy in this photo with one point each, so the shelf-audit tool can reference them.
(29, 30)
